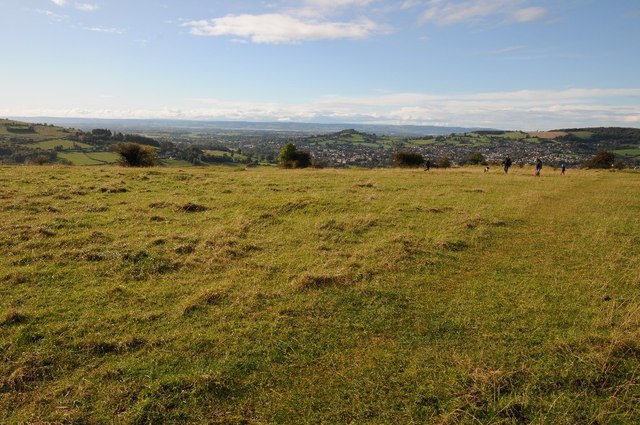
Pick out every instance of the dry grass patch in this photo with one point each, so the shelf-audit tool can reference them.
(14, 317)
(201, 301)
(311, 281)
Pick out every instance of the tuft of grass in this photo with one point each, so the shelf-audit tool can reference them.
(202, 300)
(191, 207)
(14, 317)
(310, 281)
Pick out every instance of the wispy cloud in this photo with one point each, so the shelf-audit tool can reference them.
(502, 51)
(60, 2)
(450, 12)
(410, 4)
(528, 14)
(279, 28)
(52, 15)
(87, 7)
(105, 30)
(324, 8)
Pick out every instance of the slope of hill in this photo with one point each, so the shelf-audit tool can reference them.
(205, 295)
(22, 142)
(153, 126)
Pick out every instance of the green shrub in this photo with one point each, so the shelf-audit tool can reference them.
(135, 155)
(407, 159)
(602, 159)
(443, 162)
(476, 158)
(291, 157)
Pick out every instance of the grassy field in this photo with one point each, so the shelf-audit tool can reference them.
(40, 132)
(66, 144)
(217, 295)
(89, 158)
(628, 152)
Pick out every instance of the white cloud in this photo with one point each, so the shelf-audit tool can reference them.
(87, 7)
(524, 109)
(307, 20)
(279, 28)
(449, 12)
(60, 2)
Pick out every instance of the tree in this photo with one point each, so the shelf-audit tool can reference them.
(135, 155)
(476, 158)
(407, 159)
(102, 133)
(602, 159)
(291, 157)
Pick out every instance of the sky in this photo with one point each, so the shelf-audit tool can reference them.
(508, 64)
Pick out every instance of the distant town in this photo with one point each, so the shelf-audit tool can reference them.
(178, 144)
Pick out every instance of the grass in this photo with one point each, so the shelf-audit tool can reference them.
(89, 158)
(217, 295)
(547, 134)
(66, 144)
(582, 134)
(40, 133)
(229, 154)
(516, 135)
(422, 142)
(628, 152)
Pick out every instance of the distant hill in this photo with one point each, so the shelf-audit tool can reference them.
(142, 125)
(183, 143)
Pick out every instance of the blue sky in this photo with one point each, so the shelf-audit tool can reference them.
(513, 64)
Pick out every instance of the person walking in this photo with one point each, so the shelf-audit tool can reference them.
(506, 164)
(563, 168)
(427, 165)
(538, 167)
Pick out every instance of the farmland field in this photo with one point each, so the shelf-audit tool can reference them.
(89, 158)
(629, 152)
(66, 144)
(217, 295)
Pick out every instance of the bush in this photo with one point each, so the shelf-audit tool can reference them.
(603, 159)
(135, 155)
(406, 159)
(40, 160)
(291, 157)
(443, 162)
(476, 158)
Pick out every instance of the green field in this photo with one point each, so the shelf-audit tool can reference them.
(233, 296)
(628, 152)
(89, 158)
(40, 133)
(235, 155)
(66, 144)
(516, 135)
(422, 142)
(582, 134)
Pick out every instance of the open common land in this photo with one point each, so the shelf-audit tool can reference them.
(218, 295)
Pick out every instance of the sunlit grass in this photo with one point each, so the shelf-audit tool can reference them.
(223, 295)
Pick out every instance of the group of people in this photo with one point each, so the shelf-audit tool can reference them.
(506, 164)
